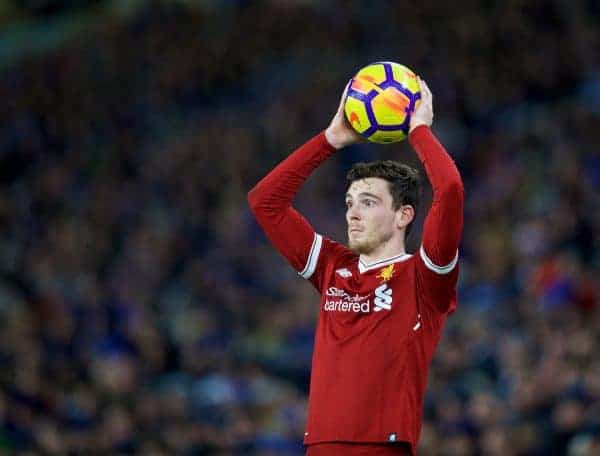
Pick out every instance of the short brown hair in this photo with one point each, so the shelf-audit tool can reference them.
(404, 181)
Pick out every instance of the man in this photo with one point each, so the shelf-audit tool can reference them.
(382, 309)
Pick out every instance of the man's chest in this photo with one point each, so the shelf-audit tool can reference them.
(378, 295)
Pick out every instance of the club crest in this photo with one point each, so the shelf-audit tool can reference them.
(386, 273)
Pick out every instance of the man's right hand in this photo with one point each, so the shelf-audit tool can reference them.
(340, 133)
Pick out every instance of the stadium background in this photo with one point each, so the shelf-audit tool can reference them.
(142, 310)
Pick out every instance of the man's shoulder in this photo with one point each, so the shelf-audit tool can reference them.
(337, 250)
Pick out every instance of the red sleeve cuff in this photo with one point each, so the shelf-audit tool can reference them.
(419, 134)
(324, 143)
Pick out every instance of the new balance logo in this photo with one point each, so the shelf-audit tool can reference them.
(383, 298)
(343, 273)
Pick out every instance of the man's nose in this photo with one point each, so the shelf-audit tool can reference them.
(353, 213)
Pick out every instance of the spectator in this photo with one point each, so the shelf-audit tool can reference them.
(135, 313)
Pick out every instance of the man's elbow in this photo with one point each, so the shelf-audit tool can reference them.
(457, 187)
(261, 204)
(453, 189)
(253, 199)
(258, 198)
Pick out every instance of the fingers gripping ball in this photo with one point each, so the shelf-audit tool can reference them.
(380, 100)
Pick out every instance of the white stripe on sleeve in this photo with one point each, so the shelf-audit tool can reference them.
(313, 257)
(435, 268)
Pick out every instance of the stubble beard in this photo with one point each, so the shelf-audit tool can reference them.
(369, 244)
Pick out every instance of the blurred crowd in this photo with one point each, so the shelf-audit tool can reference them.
(142, 311)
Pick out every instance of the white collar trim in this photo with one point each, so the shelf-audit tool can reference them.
(364, 267)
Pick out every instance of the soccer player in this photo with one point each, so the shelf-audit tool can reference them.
(382, 309)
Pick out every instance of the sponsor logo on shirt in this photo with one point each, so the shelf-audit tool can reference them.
(338, 300)
(383, 298)
(342, 301)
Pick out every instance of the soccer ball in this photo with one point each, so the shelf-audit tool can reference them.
(380, 100)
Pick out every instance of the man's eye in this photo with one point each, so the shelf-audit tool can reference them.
(348, 204)
(369, 203)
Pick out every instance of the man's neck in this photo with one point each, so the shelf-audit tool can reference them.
(383, 252)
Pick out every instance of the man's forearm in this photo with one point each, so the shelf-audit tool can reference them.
(277, 189)
(271, 202)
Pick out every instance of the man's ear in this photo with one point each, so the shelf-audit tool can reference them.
(404, 215)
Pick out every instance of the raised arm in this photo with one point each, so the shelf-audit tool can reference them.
(443, 224)
(271, 203)
(271, 199)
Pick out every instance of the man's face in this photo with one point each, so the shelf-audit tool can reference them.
(370, 214)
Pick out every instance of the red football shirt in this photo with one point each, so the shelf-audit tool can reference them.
(378, 323)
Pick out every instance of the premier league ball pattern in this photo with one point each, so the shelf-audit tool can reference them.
(380, 100)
